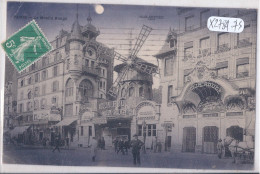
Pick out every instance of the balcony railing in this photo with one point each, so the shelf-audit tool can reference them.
(223, 48)
(91, 71)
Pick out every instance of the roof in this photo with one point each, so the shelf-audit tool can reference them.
(166, 47)
(118, 68)
(76, 31)
(67, 121)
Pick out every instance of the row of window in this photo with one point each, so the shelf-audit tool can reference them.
(131, 92)
(223, 42)
(55, 87)
(43, 62)
(147, 130)
(36, 77)
(36, 105)
(191, 22)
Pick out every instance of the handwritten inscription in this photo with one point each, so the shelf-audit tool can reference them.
(225, 24)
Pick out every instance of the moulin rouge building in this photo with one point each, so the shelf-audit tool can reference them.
(208, 81)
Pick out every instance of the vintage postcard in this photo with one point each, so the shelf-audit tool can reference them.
(130, 86)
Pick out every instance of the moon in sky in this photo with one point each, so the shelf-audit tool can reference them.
(99, 9)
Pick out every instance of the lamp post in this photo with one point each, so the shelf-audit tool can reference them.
(144, 134)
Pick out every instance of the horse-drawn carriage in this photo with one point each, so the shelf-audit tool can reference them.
(239, 150)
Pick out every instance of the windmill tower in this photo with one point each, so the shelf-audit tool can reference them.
(135, 75)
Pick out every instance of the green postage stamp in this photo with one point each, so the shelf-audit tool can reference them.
(26, 46)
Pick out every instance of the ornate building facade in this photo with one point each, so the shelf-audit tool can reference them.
(133, 110)
(53, 91)
(208, 80)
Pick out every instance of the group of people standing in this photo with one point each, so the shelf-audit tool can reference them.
(123, 144)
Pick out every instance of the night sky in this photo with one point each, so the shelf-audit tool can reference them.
(116, 23)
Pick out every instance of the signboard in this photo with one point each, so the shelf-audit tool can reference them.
(41, 116)
(114, 108)
(46, 116)
(206, 84)
(100, 120)
(146, 111)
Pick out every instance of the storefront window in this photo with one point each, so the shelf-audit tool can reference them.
(154, 130)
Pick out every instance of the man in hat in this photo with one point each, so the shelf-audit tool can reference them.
(220, 148)
(136, 145)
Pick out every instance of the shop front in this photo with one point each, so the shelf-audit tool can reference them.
(147, 122)
(210, 108)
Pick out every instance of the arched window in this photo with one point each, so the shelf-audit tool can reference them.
(123, 92)
(29, 95)
(131, 91)
(69, 88)
(141, 91)
(86, 88)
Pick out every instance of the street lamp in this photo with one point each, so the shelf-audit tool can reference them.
(144, 134)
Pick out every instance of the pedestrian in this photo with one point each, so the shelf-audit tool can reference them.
(67, 142)
(47, 142)
(121, 146)
(115, 144)
(57, 144)
(102, 143)
(136, 145)
(94, 146)
(126, 146)
(220, 148)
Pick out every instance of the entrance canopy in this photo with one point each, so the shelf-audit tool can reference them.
(18, 130)
(67, 121)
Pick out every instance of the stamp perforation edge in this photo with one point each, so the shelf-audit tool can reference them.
(33, 21)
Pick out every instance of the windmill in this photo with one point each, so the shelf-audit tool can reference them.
(132, 63)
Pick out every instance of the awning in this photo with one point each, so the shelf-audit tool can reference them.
(66, 121)
(18, 130)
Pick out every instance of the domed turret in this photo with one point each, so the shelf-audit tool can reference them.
(90, 31)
